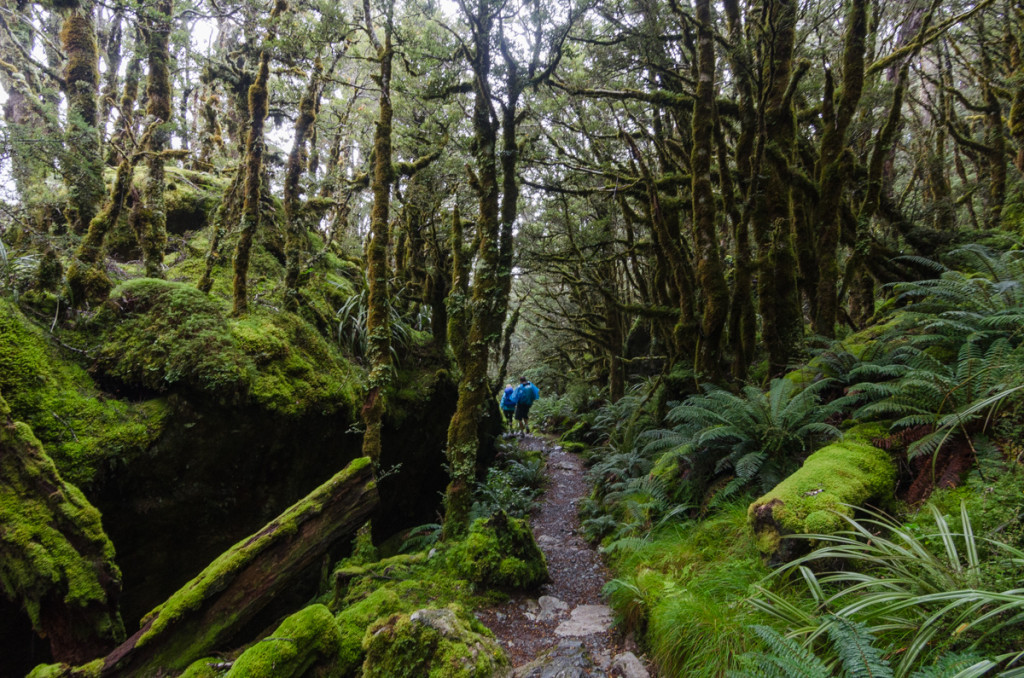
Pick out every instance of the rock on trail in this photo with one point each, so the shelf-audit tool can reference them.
(567, 631)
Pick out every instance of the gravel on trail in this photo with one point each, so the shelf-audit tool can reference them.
(570, 605)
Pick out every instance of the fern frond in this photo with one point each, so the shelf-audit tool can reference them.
(854, 644)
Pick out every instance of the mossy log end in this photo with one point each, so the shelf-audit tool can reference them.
(207, 611)
(55, 559)
(815, 498)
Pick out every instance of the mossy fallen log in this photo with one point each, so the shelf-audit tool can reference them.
(205, 613)
(55, 559)
(813, 499)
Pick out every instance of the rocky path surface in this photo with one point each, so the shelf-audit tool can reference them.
(566, 631)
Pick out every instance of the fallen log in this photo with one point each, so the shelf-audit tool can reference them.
(205, 613)
(814, 499)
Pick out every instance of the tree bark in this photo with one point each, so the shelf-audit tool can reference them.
(378, 273)
(82, 164)
(254, 147)
(710, 272)
(295, 235)
(152, 232)
(834, 168)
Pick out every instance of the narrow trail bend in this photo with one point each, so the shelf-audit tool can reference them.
(566, 630)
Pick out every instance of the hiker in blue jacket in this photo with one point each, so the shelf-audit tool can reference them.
(508, 406)
(523, 396)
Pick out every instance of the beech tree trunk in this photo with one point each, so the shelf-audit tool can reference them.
(152, 229)
(254, 147)
(378, 324)
(710, 273)
(82, 164)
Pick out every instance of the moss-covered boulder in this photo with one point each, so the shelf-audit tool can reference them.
(353, 622)
(82, 430)
(55, 558)
(161, 335)
(500, 552)
(433, 643)
(814, 499)
(309, 640)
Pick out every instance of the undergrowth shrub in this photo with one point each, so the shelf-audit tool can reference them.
(924, 592)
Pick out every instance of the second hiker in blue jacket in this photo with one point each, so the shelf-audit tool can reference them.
(508, 406)
(523, 397)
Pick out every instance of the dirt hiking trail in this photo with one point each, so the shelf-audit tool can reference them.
(565, 630)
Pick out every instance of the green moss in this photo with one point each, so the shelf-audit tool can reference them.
(434, 643)
(83, 430)
(574, 447)
(204, 668)
(87, 284)
(93, 669)
(165, 335)
(831, 481)
(368, 593)
(500, 552)
(190, 596)
(308, 638)
(355, 619)
(52, 541)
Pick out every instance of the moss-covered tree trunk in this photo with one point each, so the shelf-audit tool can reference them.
(833, 168)
(378, 325)
(742, 323)
(295, 234)
(126, 111)
(778, 297)
(253, 171)
(82, 164)
(710, 272)
(55, 559)
(87, 280)
(1016, 117)
(152, 228)
(484, 314)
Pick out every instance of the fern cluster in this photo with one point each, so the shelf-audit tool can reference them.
(755, 438)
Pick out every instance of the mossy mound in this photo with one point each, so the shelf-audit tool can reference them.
(55, 558)
(433, 643)
(307, 641)
(500, 552)
(162, 335)
(354, 620)
(369, 593)
(82, 430)
(814, 499)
